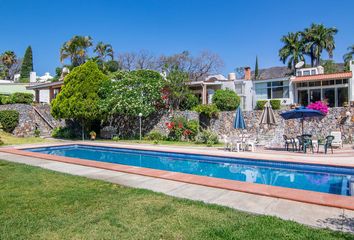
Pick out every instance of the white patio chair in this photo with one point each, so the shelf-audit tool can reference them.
(337, 141)
(236, 144)
(227, 142)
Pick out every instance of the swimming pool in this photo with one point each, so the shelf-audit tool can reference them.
(318, 178)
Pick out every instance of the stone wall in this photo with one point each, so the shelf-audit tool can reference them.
(30, 120)
(271, 135)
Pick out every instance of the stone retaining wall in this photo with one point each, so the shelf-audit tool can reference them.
(29, 120)
(271, 135)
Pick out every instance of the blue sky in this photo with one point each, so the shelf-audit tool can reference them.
(236, 30)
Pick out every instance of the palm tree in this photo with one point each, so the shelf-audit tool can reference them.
(76, 50)
(292, 51)
(8, 59)
(348, 56)
(103, 51)
(316, 39)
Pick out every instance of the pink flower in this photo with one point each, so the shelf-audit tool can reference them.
(319, 106)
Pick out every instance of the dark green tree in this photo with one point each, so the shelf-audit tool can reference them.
(256, 71)
(80, 95)
(27, 65)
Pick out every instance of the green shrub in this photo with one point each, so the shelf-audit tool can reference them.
(63, 132)
(9, 120)
(260, 104)
(5, 100)
(189, 102)
(181, 129)
(206, 137)
(275, 103)
(226, 99)
(19, 97)
(155, 136)
(37, 132)
(116, 138)
(210, 110)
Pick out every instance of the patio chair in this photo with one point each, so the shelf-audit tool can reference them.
(307, 143)
(299, 144)
(227, 142)
(236, 144)
(327, 144)
(337, 141)
(287, 142)
(250, 143)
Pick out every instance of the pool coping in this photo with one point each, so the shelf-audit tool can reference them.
(330, 200)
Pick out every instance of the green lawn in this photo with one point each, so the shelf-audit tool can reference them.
(41, 204)
(10, 139)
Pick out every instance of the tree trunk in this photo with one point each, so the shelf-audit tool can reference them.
(83, 130)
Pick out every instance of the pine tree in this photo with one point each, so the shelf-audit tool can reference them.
(256, 73)
(27, 64)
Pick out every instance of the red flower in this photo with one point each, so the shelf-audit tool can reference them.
(187, 132)
(180, 125)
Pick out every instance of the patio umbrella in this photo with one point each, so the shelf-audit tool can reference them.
(239, 122)
(267, 115)
(302, 113)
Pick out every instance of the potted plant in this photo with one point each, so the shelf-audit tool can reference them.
(93, 135)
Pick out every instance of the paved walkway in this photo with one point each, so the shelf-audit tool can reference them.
(309, 214)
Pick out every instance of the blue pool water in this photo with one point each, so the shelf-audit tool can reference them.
(319, 178)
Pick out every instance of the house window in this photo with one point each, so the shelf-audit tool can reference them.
(329, 96)
(303, 97)
(306, 72)
(313, 72)
(270, 90)
(342, 94)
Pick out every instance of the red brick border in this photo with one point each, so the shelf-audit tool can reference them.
(318, 198)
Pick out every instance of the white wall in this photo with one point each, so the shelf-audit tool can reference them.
(44, 96)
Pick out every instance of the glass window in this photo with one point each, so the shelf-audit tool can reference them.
(277, 92)
(342, 94)
(303, 97)
(313, 72)
(306, 73)
(299, 73)
(339, 81)
(315, 95)
(345, 81)
(315, 84)
(328, 97)
(261, 91)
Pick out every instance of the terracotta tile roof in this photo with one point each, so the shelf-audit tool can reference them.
(331, 76)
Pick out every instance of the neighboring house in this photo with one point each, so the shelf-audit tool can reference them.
(9, 87)
(44, 90)
(205, 89)
(311, 85)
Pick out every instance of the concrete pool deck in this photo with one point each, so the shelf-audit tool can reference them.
(310, 214)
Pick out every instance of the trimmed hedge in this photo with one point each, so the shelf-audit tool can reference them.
(260, 104)
(9, 120)
(18, 97)
(26, 98)
(275, 103)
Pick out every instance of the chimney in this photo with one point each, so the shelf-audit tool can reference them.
(231, 76)
(247, 73)
(33, 77)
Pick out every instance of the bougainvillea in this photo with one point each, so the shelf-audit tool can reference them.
(319, 106)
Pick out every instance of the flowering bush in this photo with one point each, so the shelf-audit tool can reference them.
(182, 129)
(319, 106)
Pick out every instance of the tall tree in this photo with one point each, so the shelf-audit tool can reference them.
(27, 64)
(318, 38)
(76, 50)
(8, 59)
(80, 96)
(103, 51)
(292, 50)
(348, 56)
(256, 70)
